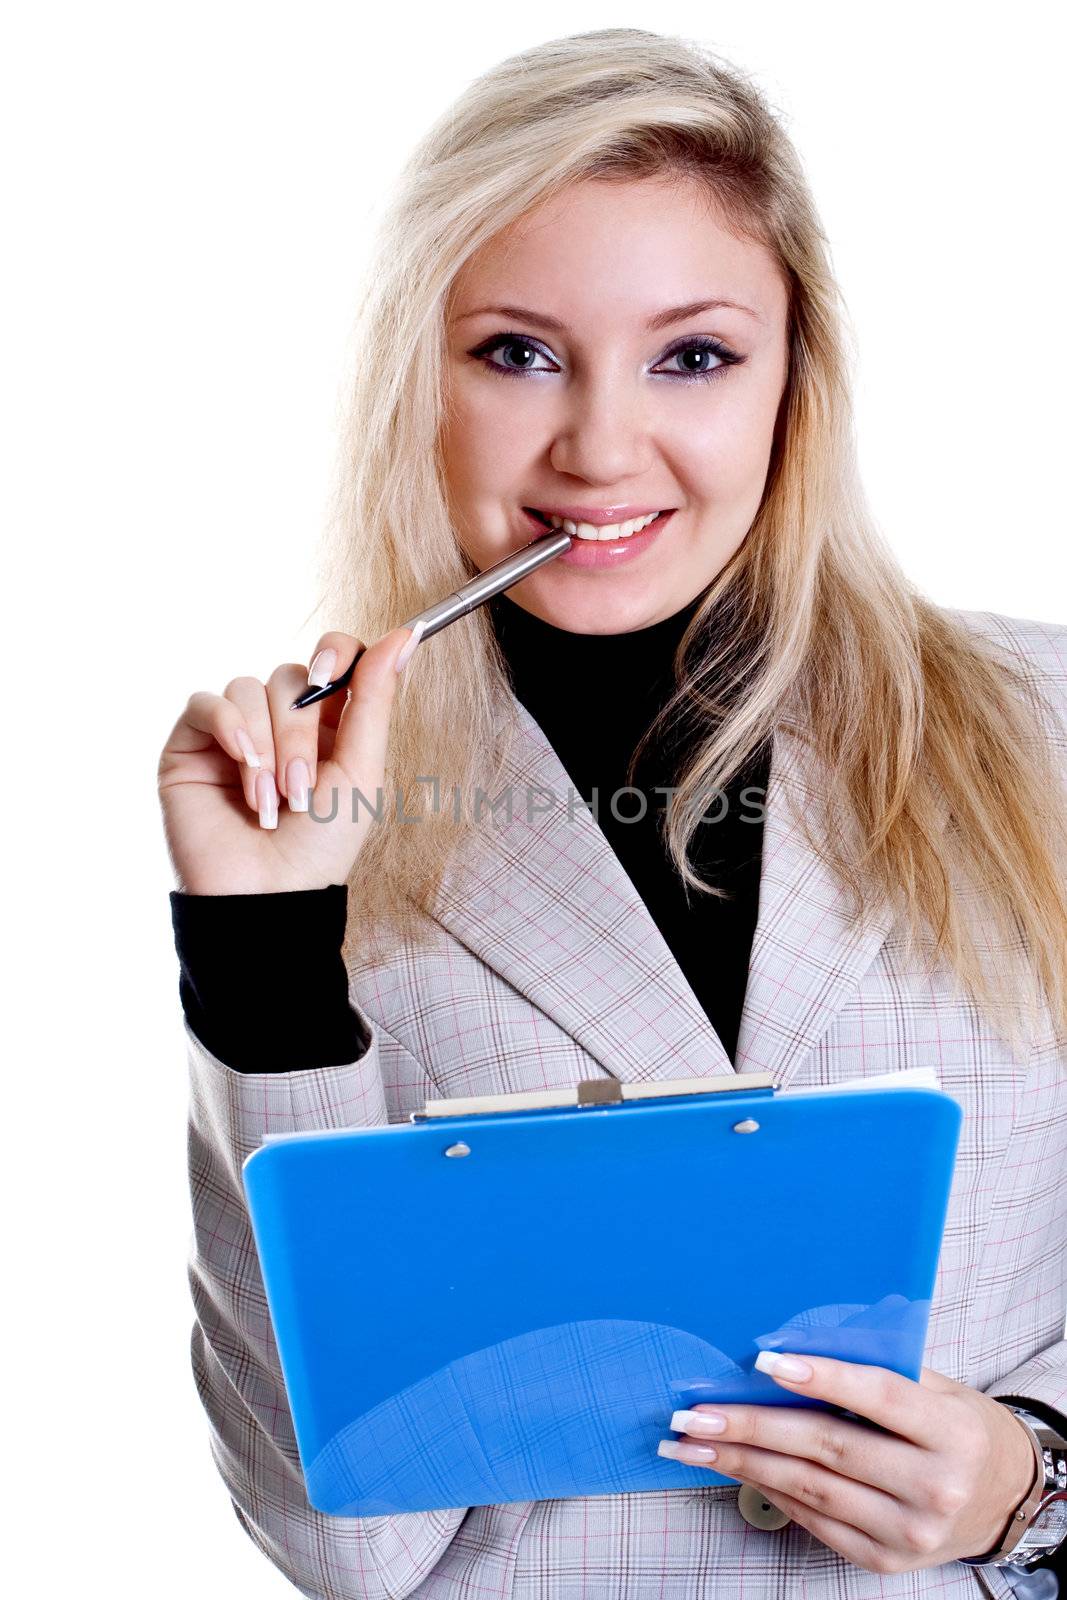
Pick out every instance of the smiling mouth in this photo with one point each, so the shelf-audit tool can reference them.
(587, 530)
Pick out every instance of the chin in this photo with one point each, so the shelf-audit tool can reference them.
(588, 608)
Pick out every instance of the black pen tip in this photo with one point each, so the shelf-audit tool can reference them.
(314, 692)
(308, 698)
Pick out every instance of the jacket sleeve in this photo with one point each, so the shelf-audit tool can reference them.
(1040, 1384)
(234, 1356)
(1041, 1381)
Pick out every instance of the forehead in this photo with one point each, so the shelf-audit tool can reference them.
(603, 251)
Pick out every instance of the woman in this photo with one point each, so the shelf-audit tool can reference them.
(603, 295)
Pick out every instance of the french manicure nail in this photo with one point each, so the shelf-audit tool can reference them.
(247, 748)
(267, 799)
(409, 649)
(781, 1366)
(321, 670)
(698, 1455)
(297, 780)
(698, 1422)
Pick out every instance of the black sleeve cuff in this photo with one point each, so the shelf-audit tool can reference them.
(1048, 1414)
(262, 980)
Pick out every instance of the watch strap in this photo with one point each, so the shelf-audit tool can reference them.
(1023, 1515)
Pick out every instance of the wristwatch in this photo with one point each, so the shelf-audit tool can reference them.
(1036, 1527)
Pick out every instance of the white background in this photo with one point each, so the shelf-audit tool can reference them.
(188, 192)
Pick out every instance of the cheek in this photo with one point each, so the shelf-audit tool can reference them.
(489, 438)
(724, 452)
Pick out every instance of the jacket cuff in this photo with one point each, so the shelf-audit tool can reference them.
(1040, 1385)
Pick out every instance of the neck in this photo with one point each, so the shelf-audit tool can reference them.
(533, 646)
(593, 694)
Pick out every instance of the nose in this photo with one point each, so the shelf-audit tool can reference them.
(603, 433)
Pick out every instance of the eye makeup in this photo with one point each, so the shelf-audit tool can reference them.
(703, 343)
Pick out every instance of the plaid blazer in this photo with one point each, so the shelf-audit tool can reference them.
(545, 967)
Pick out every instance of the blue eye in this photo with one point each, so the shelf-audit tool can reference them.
(713, 356)
(511, 341)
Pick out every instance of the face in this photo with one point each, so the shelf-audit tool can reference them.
(601, 390)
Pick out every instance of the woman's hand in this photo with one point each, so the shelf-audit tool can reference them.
(940, 1484)
(231, 760)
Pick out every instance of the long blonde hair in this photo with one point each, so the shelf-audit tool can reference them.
(912, 715)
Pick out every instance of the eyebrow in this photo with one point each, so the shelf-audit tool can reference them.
(661, 319)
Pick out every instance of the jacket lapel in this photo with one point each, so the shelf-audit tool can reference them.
(810, 949)
(543, 900)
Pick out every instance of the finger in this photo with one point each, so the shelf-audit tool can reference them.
(831, 1494)
(851, 1542)
(295, 735)
(363, 731)
(329, 658)
(209, 727)
(930, 1378)
(249, 695)
(332, 654)
(851, 1448)
(900, 1404)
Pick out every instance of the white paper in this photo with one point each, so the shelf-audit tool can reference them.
(906, 1078)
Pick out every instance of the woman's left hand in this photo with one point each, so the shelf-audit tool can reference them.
(940, 1484)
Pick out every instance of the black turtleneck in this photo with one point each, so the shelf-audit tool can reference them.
(262, 981)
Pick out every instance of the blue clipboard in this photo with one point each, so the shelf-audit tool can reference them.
(506, 1298)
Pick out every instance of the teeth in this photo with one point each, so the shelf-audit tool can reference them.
(614, 530)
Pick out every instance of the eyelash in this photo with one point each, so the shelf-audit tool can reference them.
(727, 357)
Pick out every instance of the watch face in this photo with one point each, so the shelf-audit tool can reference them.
(1050, 1520)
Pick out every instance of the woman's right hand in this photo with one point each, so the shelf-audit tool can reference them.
(239, 770)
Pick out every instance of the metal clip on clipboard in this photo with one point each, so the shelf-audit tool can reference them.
(591, 1092)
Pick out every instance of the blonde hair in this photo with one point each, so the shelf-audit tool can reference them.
(912, 715)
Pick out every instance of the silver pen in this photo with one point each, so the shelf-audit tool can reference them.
(465, 600)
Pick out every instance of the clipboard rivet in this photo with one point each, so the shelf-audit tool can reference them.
(758, 1512)
(460, 1149)
(750, 1125)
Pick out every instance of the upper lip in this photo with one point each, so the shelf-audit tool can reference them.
(599, 516)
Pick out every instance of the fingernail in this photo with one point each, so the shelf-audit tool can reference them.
(321, 669)
(780, 1366)
(698, 1455)
(248, 749)
(698, 1422)
(409, 649)
(267, 799)
(297, 780)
